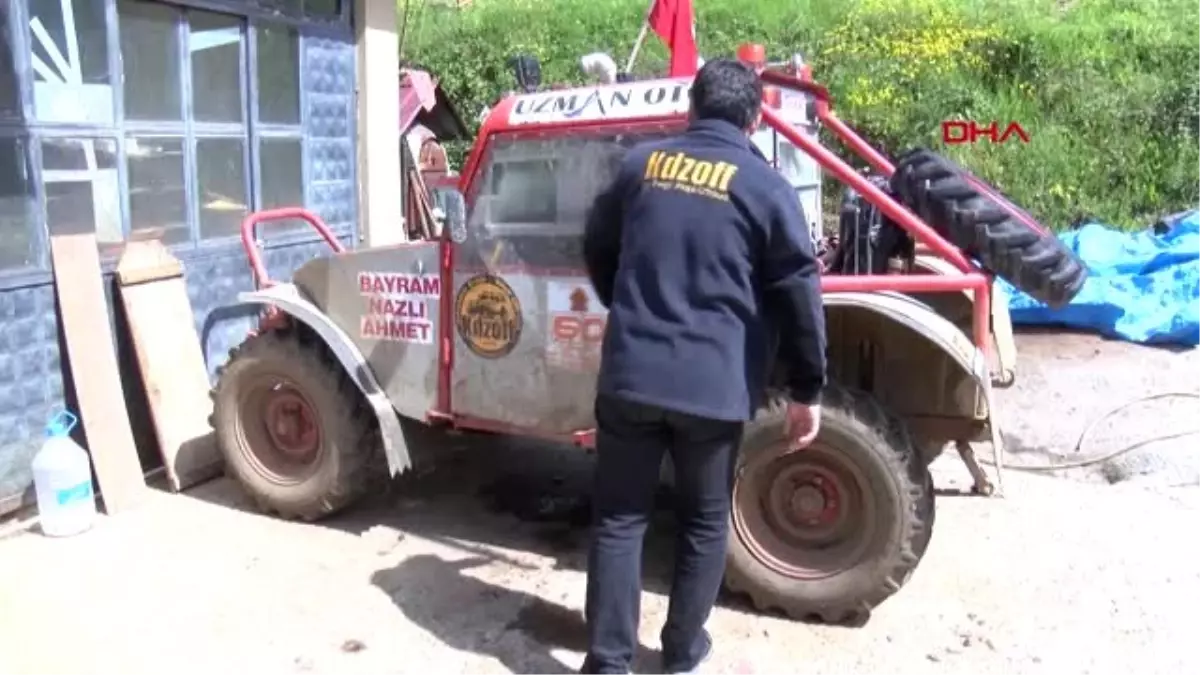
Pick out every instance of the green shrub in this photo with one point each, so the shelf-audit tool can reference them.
(1107, 89)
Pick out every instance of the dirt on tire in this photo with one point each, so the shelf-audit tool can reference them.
(347, 456)
(899, 488)
(974, 216)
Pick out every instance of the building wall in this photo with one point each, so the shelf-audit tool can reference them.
(136, 117)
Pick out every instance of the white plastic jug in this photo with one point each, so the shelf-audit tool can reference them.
(62, 478)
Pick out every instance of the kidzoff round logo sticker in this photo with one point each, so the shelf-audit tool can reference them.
(488, 316)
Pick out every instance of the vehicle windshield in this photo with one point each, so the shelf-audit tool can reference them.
(531, 199)
(532, 183)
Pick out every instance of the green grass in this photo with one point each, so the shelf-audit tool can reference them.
(1108, 89)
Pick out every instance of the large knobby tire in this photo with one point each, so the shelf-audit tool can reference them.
(975, 217)
(293, 429)
(829, 532)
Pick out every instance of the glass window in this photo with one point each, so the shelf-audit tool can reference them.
(531, 182)
(322, 8)
(68, 47)
(281, 161)
(10, 98)
(278, 74)
(82, 192)
(17, 205)
(157, 198)
(523, 191)
(215, 43)
(282, 184)
(150, 60)
(293, 7)
(221, 186)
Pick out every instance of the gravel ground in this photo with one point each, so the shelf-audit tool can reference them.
(1069, 382)
(1064, 574)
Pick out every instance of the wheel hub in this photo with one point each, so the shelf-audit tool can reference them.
(811, 506)
(280, 428)
(291, 424)
(808, 515)
(805, 502)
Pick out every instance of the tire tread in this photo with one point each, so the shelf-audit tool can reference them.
(353, 436)
(988, 226)
(861, 411)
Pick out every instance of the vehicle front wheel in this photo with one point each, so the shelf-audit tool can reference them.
(292, 427)
(833, 530)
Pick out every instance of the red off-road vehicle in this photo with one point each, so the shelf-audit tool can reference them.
(491, 326)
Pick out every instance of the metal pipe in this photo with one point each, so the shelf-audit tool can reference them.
(902, 283)
(803, 81)
(637, 46)
(856, 143)
(251, 222)
(891, 208)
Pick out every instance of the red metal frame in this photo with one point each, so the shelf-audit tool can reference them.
(446, 322)
(831, 121)
(971, 277)
(249, 229)
(496, 122)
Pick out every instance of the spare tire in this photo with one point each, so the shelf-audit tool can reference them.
(974, 216)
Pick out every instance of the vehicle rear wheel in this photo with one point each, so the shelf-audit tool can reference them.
(293, 429)
(831, 531)
(984, 224)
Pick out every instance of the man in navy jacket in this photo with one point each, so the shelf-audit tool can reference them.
(701, 253)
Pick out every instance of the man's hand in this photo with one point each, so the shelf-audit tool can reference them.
(801, 425)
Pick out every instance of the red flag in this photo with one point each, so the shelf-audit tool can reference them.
(673, 21)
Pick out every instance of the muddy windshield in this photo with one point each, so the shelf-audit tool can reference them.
(532, 198)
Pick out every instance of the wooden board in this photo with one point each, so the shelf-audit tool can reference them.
(79, 284)
(170, 360)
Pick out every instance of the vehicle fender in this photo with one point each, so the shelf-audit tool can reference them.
(1002, 329)
(288, 299)
(923, 320)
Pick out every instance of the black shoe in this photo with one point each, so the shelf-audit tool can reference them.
(704, 655)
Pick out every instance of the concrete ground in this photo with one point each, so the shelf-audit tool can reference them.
(1091, 570)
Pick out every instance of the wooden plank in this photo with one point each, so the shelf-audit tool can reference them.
(92, 356)
(171, 361)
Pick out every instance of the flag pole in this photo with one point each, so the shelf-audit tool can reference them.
(637, 46)
(641, 38)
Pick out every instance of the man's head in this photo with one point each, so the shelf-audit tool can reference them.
(728, 90)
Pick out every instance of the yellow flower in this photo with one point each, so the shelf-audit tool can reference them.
(941, 43)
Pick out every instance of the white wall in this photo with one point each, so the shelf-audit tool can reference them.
(381, 206)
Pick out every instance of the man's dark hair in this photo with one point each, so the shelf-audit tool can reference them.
(729, 90)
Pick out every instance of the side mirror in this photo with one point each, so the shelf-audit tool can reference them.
(454, 214)
(439, 220)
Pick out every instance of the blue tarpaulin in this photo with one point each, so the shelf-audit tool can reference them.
(1142, 288)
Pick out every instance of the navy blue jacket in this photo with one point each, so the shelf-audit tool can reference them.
(702, 255)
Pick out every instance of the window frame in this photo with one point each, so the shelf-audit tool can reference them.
(250, 15)
(260, 131)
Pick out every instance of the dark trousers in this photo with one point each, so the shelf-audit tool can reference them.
(631, 440)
